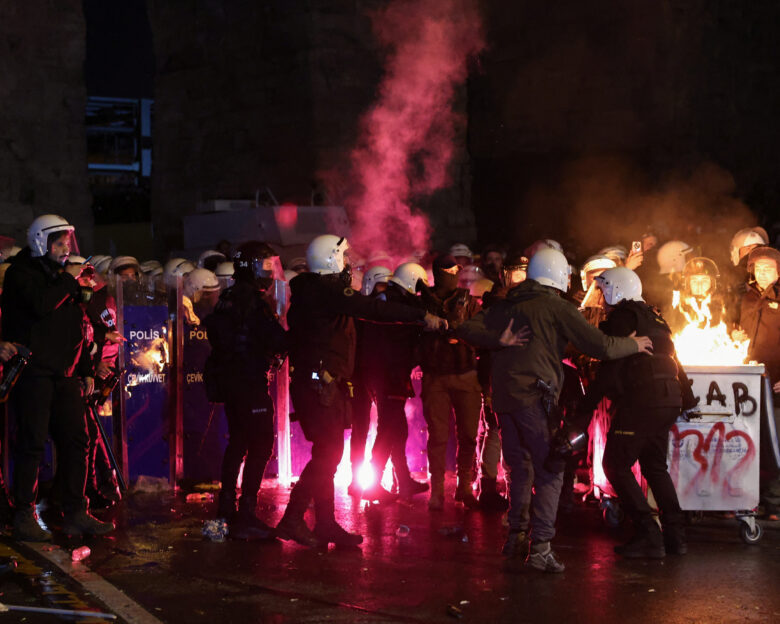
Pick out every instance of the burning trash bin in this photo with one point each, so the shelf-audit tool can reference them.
(714, 448)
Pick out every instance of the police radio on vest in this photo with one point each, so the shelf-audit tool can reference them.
(144, 334)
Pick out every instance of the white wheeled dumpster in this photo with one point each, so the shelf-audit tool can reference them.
(714, 449)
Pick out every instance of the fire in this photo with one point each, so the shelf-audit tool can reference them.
(702, 342)
(155, 358)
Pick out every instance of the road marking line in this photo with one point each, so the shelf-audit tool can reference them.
(113, 597)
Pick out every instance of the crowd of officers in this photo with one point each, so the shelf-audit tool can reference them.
(498, 341)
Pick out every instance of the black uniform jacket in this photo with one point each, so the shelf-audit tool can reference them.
(322, 326)
(244, 333)
(641, 380)
(388, 352)
(41, 311)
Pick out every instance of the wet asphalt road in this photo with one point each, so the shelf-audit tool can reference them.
(159, 559)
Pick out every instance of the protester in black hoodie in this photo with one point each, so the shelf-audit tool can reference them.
(41, 311)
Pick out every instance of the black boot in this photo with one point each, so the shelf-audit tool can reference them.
(330, 532)
(247, 526)
(377, 493)
(80, 522)
(6, 508)
(292, 526)
(27, 527)
(327, 530)
(646, 543)
(465, 494)
(674, 539)
(489, 498)
(226, 505)
(409, 487)
(516, 545)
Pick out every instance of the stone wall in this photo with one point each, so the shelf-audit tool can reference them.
(42, 101)
(252, 95)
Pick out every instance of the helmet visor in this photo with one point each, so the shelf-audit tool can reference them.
(60, 244)
(269, 268)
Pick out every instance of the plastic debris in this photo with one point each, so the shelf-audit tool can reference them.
(151, 484)
(402, 531)
(80, 553)
(199, 497)
(454, 611)
(215, 530)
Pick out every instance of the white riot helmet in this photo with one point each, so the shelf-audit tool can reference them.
(40, 230)
(375, 275)
(459, 250)
(154, 279)
(595, 263)
(746, 237)
(101, 264)
(407, 275)
(210, 258)
(289, 274)
(176, 267)
(224, 271)
(123, 262)
(76, 259)
(9, 252)
(619, 284)
(617, 253)
(671, 256)
(549, 267)
(325, 254)
(199, 280)
(149, 265)
(544, 243)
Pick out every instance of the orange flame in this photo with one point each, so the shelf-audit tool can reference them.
(705, 343)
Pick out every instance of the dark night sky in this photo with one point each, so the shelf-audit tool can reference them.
(120, 57)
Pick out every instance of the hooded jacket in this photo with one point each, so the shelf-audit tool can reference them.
(41, 310)
(554, 322)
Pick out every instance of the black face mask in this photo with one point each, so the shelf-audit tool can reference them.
(264, 283)
(445, 282)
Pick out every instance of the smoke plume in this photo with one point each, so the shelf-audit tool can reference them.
(407, 137)
(603, 201)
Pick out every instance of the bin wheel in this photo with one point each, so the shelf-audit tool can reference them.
(750, 536)
(613, 515)
(694, 517)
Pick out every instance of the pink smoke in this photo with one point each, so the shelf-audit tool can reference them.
(407, 137)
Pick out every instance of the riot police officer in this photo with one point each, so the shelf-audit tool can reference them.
(520, 402)
(388, 370)
(245, 338)
(41, 310)
(322, 354)
(648, 393)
